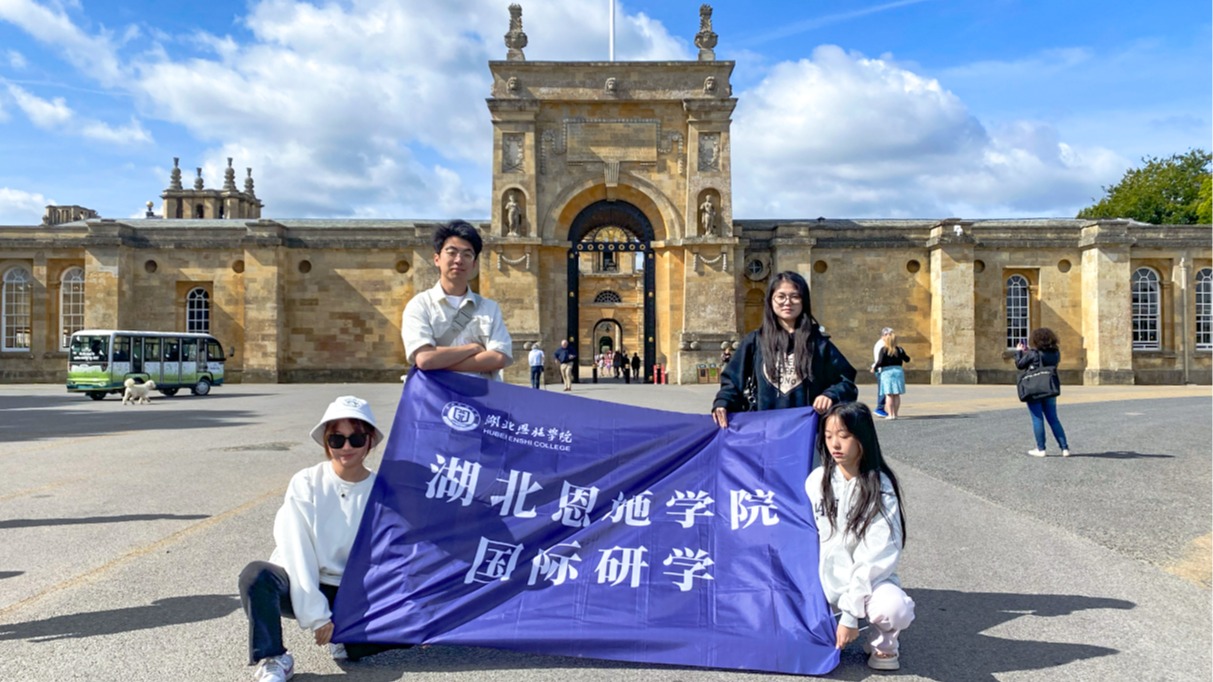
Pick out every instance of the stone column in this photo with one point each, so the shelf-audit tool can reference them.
(1107, 325)
(264, 306)
(44, 331)
(953, 309)
(106, 264)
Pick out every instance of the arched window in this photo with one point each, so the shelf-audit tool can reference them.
(71, 305)
(15, 313)
(607, 297)
(1147, 308)
(198, 311)
(1018, 319)
(1204, 309)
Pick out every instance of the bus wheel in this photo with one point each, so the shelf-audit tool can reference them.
(97, 395)
(170, 392)
(202, 387)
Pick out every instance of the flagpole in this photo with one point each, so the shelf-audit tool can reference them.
(612, 29)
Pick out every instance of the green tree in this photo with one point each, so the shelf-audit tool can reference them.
(1174, 191)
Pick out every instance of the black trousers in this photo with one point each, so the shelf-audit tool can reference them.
(536, 373)
(265, 593)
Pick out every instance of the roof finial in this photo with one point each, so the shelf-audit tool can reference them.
(515, 39)
(705, 40)
(229, 177)
(175, 176)
(248, 183)
(198, 180)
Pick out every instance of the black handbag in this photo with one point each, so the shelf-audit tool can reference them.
(1038, 383)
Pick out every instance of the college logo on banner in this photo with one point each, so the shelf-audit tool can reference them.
(512, 518)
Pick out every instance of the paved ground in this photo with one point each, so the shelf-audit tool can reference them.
(122, 530)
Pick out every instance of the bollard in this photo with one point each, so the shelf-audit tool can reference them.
(595, 373)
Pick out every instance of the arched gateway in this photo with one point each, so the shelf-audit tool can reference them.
(583, 237)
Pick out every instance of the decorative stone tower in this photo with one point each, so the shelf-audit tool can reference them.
(201, 203)
(617, 174)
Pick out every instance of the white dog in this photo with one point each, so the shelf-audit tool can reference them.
(137, 393)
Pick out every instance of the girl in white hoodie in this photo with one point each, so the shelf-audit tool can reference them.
(857, 507)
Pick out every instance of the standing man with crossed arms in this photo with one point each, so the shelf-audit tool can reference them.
(450, 326)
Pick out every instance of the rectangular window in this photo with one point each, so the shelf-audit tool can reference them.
(1204, 309)
(89, 350)
(122, 349)
(1018, 311)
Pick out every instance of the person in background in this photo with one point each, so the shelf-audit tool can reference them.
(636, 366)
(536, 359)
(566, 357)
(1044, 352)
(450, 326)
(789, 361)
(313, 533)
(879, 411)
(892, 375)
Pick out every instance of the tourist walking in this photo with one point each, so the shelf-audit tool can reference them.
(566, 357)
(1042, 351)
(890, 374)
(536, 359)
(788, 362)
(879, 411)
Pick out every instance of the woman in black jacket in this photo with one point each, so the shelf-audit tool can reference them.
(788, 362)
(1043, 353)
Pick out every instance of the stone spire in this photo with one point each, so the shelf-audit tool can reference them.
(248, 183)
(175, 177)
(515, 39)
(705, 40)
(198, 180)
(229, 177)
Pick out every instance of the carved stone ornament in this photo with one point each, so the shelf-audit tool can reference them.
(709, 152)
(198, 184)
(511, 153)
(511, 85)
(709, 85)
(515, 39)
(612, 86)
(705, 40)
(707, 217)
(513, 215)
(175, 176)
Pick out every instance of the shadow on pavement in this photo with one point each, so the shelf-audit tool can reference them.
(31, 425)
(161, 613)
(946, 641)
(1120, 454)
(10, 574)
(32, 523)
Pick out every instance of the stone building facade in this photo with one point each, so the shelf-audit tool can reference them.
(612, 226)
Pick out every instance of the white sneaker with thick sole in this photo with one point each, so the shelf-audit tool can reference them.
(337, 651)
(1065, 453)
(878, 662)
(1037, 453)
(275, 668)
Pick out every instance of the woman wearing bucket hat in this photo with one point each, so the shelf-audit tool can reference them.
(313, 533)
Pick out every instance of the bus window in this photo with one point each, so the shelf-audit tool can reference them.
(89, 349)
(172, 350)
(122, 349)
(189, 350)
(214, 352)
(151, 349)
(137, 354)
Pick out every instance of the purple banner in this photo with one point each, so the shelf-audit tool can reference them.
(536, 521)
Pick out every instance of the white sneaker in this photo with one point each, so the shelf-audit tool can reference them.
(337, 651)
(876, 662)
(1065, 453)
(1037, 453)
(275, 669)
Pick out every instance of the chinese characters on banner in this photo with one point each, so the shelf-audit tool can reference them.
(547, 523)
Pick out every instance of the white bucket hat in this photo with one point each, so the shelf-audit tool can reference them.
(347, 407)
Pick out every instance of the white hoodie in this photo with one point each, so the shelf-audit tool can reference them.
(314, 532)
(850, 569)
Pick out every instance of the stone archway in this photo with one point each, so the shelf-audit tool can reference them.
(634, 222)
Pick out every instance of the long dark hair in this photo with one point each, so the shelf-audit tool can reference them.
(857, 419)
(772, 338)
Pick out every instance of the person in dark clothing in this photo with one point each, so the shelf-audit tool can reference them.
(636, 366)
(1043, 353)
(788, 362)
(617, 363)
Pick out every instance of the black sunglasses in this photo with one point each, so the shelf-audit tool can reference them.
(336, 441)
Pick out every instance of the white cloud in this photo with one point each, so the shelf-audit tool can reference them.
(16, 60)
(56, 115)
(842, 135)
(18, 207)
(91, 54)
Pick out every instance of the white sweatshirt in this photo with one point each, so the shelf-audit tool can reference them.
(314, 532)
(850, 569)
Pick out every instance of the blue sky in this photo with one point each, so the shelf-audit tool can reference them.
(375, 108)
